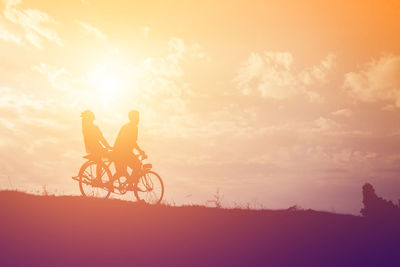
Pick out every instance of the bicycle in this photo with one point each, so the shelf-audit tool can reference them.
(149, 188)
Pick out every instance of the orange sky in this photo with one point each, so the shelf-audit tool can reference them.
(274, 102)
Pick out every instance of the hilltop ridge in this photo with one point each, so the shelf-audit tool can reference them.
(72, 230)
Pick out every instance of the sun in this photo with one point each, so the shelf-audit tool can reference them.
(109, 85)
(106, 83)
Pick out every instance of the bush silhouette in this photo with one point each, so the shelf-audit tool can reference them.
(377, 207)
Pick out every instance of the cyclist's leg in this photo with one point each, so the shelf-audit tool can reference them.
(121, 164)
(96, 157)
(120, 169)
(98, 154)
(136, 166)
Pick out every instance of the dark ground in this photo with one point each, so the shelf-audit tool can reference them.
(73, 231)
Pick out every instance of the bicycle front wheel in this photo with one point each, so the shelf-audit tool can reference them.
(150, 188)
(88, 173)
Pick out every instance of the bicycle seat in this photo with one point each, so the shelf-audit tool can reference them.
(147, 166)
(89, 157)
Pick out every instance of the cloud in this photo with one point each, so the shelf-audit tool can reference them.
(378, 80)
(32, 136)
(59, 78)
(196, 51)
(272, 75)
(154, 79)
(85, 2)
(92, 30)
(342, 112)
(164, 75)
(11, 99)
(37, 121)
(7, 35)
(179, 49)
(145, 30)
(34, 23)
(323, 124)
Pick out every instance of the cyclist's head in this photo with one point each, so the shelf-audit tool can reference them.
(88, 115)
(134, 116)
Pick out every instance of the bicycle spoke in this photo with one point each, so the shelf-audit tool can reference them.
(87, 174)
(150, 188)
(91, 172)
(102, 172)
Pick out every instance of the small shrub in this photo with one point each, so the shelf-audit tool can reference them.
(217, 201)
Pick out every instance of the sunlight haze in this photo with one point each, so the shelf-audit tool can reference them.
(274, 103)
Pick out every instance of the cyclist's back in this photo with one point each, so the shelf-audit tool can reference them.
(93, 138)
(126, 139)
(124, 145)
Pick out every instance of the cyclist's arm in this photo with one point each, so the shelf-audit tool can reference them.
(102, 139)
(104, 142)
(136, 144)
(139, 150)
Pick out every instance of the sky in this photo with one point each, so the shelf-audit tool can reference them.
(273, 103)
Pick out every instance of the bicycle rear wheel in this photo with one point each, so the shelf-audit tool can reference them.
(88, 173)
(150, 188)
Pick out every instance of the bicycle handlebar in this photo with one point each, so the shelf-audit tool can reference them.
(141, 156)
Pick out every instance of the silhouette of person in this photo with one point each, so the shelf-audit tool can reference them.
(95, 143)
(124, 145)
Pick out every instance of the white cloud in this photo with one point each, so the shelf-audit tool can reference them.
(85, 2)
(12, 99)
(324, 124)
(158, 79)
(34, 23)
(389, 107)
(177, 48)
(196, 51)
(378, 80)
(92, 30)
(272, 75)
(59, 78)
(352, 156)
(145, 30)
(342, 112)
(7, 35)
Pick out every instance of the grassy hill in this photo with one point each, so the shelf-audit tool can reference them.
(74, 231)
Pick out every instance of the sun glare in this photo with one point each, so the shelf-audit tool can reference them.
(106, 83)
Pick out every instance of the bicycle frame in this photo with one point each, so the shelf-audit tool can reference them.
(144, 188)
